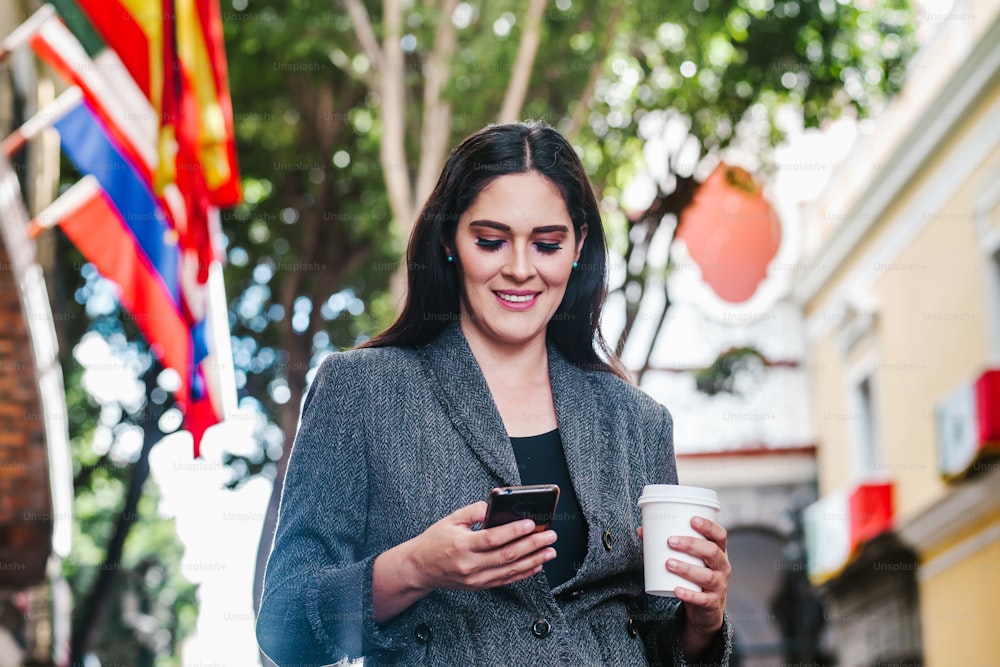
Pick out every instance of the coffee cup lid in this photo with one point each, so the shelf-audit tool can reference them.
(674, 492)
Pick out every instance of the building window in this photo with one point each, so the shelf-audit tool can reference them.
(867, 447)
(987, 214)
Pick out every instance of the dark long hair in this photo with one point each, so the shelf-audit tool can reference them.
(432, 300)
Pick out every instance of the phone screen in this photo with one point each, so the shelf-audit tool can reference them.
(512, 503)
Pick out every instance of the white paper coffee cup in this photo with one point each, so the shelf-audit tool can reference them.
(667, 510)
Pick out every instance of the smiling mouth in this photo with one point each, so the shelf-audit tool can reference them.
(517, 298)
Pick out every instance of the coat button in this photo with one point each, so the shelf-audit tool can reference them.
(632, 631)
(423, 633)
(607, 540)
(575, 593)
(540, 628)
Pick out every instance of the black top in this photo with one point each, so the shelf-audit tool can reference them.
(541, 460)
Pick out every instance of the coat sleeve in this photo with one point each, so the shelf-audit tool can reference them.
(661, 620)
(316, 604)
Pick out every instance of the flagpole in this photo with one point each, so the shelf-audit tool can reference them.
(222, 349)
(79, 192)
(49, 114)
(218, 325)
(23, 32)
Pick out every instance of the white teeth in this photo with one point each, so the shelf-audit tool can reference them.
(515, 299)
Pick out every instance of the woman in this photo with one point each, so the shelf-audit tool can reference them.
(491, 376)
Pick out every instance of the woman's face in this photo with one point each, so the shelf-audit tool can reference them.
(514, 251)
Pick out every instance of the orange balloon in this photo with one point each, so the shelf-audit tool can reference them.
(731, 232)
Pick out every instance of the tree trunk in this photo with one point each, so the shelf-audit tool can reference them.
(663, 205)
(93, 611)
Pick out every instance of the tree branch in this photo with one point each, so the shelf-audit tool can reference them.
(93, 609)
(363, 29)
(580, 113)
(517, 88)
(392, 111)
(436, 130)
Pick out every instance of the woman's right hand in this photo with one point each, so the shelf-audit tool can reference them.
(449, 554)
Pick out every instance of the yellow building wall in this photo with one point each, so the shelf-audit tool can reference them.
(931, 335)
(830, 414)
(933, 332)
(934, 335)
(959, 610)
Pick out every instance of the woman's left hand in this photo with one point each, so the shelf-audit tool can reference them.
(703, 610)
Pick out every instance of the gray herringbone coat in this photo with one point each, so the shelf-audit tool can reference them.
(391, 440)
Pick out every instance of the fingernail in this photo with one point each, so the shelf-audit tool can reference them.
(527, 525)
(697, 522)
(674, 541)
(671, 563)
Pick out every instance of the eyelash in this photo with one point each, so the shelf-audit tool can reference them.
(492, 245)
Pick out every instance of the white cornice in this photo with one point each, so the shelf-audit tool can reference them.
(966, 503)
(930, 131)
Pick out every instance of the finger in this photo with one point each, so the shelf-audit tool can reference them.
(518, 549)
(470, 514)
(699, 548)
(693, 597)
(490, 539)
(510, 572)
(640, 532)
(711, 530)
(706, 579)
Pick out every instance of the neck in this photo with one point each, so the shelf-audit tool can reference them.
(506, 365)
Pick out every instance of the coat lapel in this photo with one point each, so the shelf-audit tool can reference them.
(582, 430)
(462, 388)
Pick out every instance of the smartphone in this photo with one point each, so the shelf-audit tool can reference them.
(511, 503)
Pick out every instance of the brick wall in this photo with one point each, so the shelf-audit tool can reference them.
(25, 502)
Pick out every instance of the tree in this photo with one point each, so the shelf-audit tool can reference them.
(317, 147)
(719, 74)
(345, 112)
(131, 603)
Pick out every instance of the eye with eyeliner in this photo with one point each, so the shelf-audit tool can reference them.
(494, 244)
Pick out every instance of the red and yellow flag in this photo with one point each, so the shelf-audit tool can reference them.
(174, 51)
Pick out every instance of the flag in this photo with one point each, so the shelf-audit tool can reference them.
(132, 243)
(200, 52)
(154, 129)
(100, 75)
(94, 223)
(174, 51)
(124, 110)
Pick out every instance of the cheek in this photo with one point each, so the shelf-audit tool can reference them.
(557, 277)
(477, 275)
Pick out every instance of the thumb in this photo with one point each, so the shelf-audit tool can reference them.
(470, 514)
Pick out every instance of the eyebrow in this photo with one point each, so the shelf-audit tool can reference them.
(506, 228)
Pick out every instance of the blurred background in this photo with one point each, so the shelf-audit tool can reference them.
(802, 199)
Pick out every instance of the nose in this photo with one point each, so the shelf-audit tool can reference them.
(518, 266)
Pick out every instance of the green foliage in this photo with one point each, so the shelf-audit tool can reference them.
(151, 607)
(313, 247)
(724, 373)
(727, 66)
